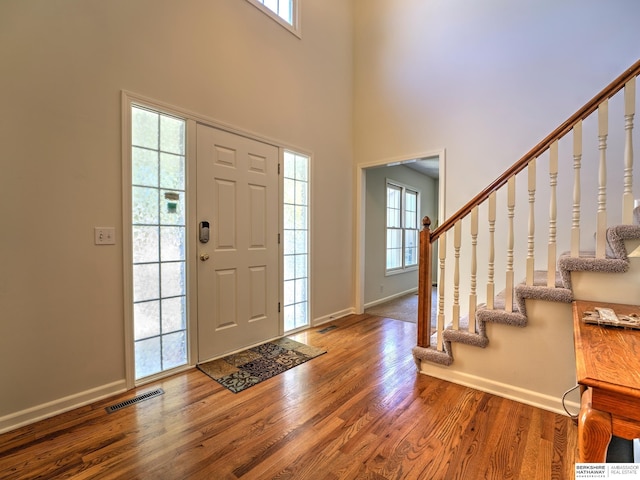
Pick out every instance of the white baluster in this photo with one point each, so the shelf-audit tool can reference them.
(473, 297)
(603, 131)
(457, 240)
(577, 161)
(492, 251)
(531, 171)
(553, 212)
(511, 204)
(629, 112)
(442, 255)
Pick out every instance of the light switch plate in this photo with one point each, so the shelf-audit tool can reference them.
(105, 235)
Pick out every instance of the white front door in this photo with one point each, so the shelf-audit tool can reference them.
(238, 274)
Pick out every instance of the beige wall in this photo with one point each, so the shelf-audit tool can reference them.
(64, 65)
(484, 80)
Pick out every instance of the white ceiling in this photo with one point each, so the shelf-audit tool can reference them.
(426, 166)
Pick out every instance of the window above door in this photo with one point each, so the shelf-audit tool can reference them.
(284, 12)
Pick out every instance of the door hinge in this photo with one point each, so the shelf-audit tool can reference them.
(278, 169)
(278, 239)
(278, 307)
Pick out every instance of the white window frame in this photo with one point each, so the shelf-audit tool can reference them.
(293, 27)
(129, 99)
(404, 189)
(286, 175)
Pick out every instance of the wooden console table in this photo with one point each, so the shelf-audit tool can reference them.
(608, 371)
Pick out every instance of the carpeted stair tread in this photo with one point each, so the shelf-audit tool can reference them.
(502, 316)
(499, 314)
(432, 355)
(466, 337)
(540, 279)
(616, 237)
(540, 291)
(570, 264)
(616, 261)
(544, 293)
(463, 324)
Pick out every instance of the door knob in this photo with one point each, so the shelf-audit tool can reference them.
(204, 257)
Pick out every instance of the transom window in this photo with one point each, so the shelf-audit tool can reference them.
(285, 12)
(402, 227)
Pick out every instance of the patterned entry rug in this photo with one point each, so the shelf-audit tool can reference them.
(245, 369)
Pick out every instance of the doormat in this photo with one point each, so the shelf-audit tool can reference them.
(242, 370)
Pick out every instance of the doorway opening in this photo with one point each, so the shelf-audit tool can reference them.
(425, 172)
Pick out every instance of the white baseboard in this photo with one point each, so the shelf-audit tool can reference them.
(61, 405)
(389, 298)
(332, 316)
(528, 397)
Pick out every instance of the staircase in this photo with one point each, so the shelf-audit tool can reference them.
(474, 341)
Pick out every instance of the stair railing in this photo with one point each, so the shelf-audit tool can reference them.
(486, 199)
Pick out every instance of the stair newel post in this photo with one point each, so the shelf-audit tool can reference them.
(457, 242)
(442, 255)
(603, 131)
(531, 178)
(553, 214)
(629, 112)
(424, 285)
(577, 163)
(511, 205)
(492, 250)
(473, 297)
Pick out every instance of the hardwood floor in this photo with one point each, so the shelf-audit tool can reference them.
(359, 411)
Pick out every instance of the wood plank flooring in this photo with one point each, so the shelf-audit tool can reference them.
(361, 411)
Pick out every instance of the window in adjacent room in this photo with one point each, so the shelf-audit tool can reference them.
(402, 227)
(285, 12)
(296, 240)
(158, 241)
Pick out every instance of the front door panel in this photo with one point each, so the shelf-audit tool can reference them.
(238, 267)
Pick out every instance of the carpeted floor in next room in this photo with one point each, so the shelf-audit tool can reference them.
(404, 308)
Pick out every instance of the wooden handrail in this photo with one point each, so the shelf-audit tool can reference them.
(609, 91)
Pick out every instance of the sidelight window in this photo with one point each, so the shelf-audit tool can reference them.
(158, 241)
(296, 240)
